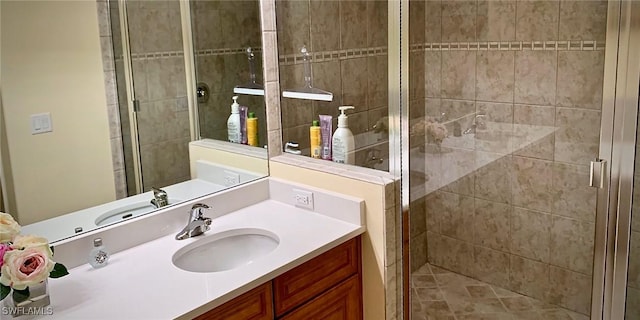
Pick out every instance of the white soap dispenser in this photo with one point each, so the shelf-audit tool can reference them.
(233, 123)
(343, 143)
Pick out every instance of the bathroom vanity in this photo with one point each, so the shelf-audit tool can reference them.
(328, 285)
(261, 247)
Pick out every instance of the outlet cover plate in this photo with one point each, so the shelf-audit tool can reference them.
(231, 178)
(303, 199)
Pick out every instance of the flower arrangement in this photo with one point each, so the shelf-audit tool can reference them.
(434, 131)
(24, 260)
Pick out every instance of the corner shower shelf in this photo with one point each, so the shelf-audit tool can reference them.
(308, 92)
(252, 88)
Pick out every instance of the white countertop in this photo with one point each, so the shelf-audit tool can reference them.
(142, 282)
(63, 226)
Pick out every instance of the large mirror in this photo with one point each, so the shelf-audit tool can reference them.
(338, 48)
(102, 119)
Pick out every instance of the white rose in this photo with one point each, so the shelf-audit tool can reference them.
(23, 268)
(20, 241)
(9, 228)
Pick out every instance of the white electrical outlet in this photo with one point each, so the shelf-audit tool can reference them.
(231, 178)
(303, 199)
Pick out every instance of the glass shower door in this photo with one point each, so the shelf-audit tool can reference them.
(625, 303)
(632, 303)
(160, 115)
(505, 106)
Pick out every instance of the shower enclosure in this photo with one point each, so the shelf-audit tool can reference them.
(162, 50)
(517, 121)
(152, 92)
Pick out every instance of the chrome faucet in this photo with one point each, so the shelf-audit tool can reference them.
(159, 198)
(373, 158)
(478, 124)
(197, 225)
(381, 126)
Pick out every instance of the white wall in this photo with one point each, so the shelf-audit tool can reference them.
(51, 62)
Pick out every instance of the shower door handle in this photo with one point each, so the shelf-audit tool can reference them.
(598, 168)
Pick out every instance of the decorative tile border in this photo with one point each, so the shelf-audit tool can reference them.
(224, 51)
(156, 55)
(510, 46)
(199, 53)
(291, 59)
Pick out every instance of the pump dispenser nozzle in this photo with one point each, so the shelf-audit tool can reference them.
(343, 121)
(235, 107)
(343, 108)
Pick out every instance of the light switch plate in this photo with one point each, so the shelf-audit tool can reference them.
(41, 123)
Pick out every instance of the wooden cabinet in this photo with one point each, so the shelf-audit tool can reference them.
(256, 304)
(343, 302)
(328, 287)
(315, 276)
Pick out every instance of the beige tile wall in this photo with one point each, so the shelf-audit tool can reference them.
(526, 220)
(226, 25)
(341, 30)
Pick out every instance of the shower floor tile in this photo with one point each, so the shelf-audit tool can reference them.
(438, 294)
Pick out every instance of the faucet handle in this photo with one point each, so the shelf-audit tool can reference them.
(479, 121)
(159, 198)
(158, 193)
(197, 210)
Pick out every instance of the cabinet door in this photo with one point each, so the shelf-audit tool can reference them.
(315, 276)
(343, 302)
(256, 304)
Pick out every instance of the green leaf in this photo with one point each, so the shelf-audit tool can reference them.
(21, 295)
(4, 291)
(58, 271)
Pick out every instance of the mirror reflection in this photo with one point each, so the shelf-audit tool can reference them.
(98, 124)
(323, 68)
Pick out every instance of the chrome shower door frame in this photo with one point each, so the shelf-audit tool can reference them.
(131, 95)
(623, 156)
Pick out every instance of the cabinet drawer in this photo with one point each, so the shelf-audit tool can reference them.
(256, 304)
(315, 276)
(340, 303)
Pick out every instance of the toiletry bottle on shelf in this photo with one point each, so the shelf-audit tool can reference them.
(343, 143)
(233, 123)
(243, 124)
(252, 129)
(316, 141)
(99, 256)
(326, 130)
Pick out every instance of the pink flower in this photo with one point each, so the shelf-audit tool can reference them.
(3, 248)
(23, 268)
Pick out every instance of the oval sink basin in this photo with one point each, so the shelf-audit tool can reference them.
(226, 250)
(128, 211)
